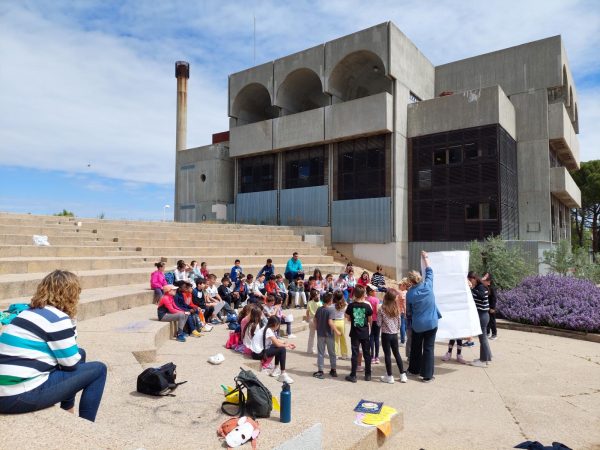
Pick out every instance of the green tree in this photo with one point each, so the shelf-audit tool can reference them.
(507, 264)
(65, 213)
(563, 260)
(588, 216)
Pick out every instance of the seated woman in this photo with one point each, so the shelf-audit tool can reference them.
(265, 345)
(40, 362)
(168, 311)
(157, 281)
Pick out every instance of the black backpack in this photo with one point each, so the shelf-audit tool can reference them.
(158, 381)
(256, 402)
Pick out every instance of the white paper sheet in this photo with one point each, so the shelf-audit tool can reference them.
(453, 295)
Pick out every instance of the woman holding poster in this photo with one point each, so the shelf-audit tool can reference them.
(420, 303)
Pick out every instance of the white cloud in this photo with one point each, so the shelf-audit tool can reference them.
(93, 82)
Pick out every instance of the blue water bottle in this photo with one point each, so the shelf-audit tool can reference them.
(285, 400)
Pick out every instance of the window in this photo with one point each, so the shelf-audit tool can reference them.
(257, 173)
(439, 157)
(481, 211)
(412, 98)
(361, 168)
(304, 167)
(455, 155)
(425, 179)
(471, 151)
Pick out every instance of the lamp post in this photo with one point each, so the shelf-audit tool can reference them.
(165, 212)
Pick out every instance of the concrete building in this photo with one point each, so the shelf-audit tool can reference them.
(366, 141)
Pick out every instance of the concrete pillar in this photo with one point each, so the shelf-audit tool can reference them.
(182, 73)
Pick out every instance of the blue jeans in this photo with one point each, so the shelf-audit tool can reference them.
(61, 387)
(403, 328)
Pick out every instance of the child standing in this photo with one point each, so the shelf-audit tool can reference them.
(389, 319)
(325, 331)
(313, 304)
(401, 300)
(339, 307)
(459, 346)
(359, 314)
(375, 328)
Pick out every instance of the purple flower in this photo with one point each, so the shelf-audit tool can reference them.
(553, 300)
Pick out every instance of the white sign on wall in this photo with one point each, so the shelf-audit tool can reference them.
(453, 295)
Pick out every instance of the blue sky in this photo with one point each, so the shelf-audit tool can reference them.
(87, 88)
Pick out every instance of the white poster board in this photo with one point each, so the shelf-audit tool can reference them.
(453, 295)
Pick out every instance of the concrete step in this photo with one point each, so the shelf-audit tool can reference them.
(47, 264)
(98, 302)
(23, 285)
(55, 239)
(62, 250)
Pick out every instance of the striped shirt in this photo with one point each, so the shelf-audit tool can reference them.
(378, 280)
(33, 345)
(480, 295)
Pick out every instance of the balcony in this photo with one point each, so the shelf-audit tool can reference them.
(562, 136)
(300, 129)
(360, 117)
(563, 187)
(252, 138)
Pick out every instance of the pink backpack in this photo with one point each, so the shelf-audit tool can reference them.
(233, 341)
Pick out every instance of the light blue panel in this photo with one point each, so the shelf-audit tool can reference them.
(258, 208)
(304, 206)
(361, 220)
(230, 212)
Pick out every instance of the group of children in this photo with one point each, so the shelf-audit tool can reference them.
(194, 301)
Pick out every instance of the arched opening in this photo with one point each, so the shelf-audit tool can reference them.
(576, 119)
(570, 99)
(565, 86)
(253, 104)
(300, 91)
(359, 74)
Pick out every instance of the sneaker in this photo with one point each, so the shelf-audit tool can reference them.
(180, 337)
(460, 359)
(333, 373)
(276, 372)
(368, 377)
(318, 374)
(386, 379)
(447, 356)
(266, 370)
(196, 333)
(479, 363)
(350, 378)
(493, 337)
(285, 378)
(207, 328)
(360, 369)
(403, 378)
(291, 336)
(428, 380)
(375, 360)
(469, 344)
(215, 322)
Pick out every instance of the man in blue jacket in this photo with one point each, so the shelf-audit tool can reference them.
(293, 268)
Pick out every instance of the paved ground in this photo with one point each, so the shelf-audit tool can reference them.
(539, 387)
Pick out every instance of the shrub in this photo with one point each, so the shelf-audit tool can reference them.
(508, 265)
(553, 300)
(65, 213)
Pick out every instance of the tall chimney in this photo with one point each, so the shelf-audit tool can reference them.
(182, 73)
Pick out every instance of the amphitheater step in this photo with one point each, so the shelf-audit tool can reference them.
(16, 285)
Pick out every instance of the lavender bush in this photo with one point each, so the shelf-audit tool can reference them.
(553, 300)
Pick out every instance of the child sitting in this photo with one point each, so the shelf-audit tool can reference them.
(326, 329)
(183, 301)
(283, 293)
(167, 311)
(296, 290)
(378, 280)
(272, 288)
(157, 281)
(265, 344)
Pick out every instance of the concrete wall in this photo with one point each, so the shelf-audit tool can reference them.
(533, 164)
(564, 187)
(517, 69)
(300, 129)
(370, 256)
(560, 128)
(262, 74)
(367, 115)
(466, 109)
(312, 58)
(204, 178)
(409, 66)
(251, 139)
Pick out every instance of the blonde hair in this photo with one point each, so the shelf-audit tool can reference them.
(413, 278)
(60, 289)
(390, 306)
